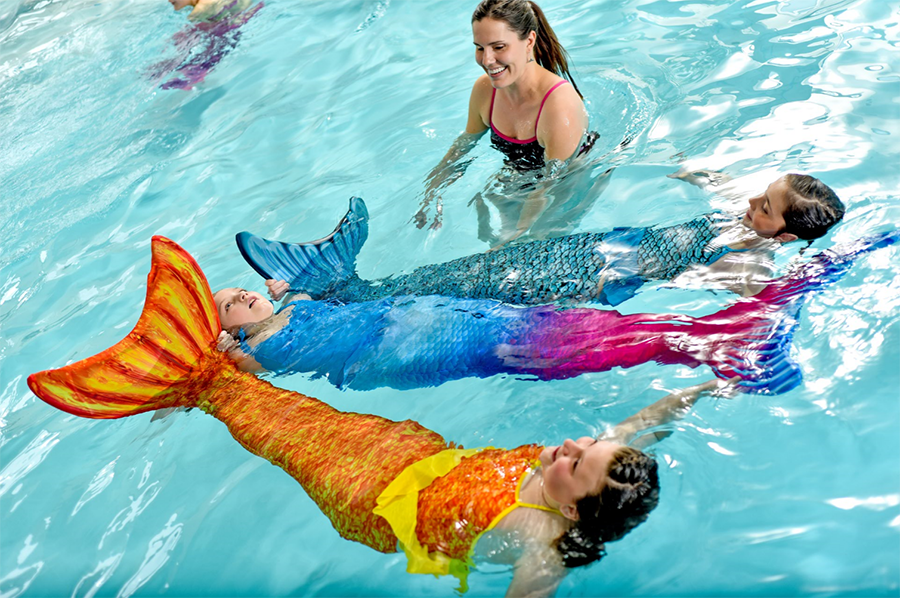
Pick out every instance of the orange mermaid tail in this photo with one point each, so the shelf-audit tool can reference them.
(343, 460)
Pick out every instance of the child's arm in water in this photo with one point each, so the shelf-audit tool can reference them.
(539, 571)
(227, 343)
(278, 289)
(669, 408)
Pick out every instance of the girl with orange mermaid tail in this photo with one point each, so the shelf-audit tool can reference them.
(389, 485)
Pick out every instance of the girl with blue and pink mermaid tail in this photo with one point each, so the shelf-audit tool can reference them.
(407, 342)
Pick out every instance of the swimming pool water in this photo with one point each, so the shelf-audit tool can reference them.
(786, 495)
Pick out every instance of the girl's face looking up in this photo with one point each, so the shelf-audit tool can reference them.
(575, 469)
(237, 307)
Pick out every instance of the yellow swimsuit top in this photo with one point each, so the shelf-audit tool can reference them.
(440, 506)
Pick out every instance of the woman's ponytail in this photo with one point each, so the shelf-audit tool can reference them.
(548, 52)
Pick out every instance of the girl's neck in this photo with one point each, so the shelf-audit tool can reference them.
(533, 491)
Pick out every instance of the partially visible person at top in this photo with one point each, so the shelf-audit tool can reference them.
(527, 98)
(205, 10)
(214, 31)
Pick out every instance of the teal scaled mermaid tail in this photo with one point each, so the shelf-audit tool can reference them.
(410, 342)
(603, 268)
(313, 267)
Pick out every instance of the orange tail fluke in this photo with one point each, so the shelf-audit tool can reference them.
(153, 366)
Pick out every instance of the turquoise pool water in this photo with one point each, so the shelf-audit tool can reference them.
(797, 494)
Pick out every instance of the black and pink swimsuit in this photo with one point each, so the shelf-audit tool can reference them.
(526, 154)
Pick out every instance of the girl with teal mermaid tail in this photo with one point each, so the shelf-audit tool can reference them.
(605, 268)
(389, 485)
(407, 342)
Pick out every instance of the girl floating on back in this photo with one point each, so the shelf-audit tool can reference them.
(389, 485)
(604, 268)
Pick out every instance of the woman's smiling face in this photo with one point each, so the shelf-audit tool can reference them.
(499, 51)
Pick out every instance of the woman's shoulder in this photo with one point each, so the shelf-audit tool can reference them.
(563, 98)
(482, 87)
(563, 121)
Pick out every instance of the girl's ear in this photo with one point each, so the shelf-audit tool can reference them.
(786, 237)
(569, 512)
(532, 37)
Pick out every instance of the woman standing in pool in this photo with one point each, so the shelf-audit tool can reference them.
(526, 98)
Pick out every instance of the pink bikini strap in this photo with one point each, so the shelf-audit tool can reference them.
(546, 95)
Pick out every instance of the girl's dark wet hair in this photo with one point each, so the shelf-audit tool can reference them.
(523, 17)
(631, 491)
(813, 209)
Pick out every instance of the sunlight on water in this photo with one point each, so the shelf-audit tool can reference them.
(320, 101)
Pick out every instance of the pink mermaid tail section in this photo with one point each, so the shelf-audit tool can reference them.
(750, 339)
(342, 460)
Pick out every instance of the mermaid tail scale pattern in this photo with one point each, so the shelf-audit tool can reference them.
(313, 442)
(605, 267)
(407, 342)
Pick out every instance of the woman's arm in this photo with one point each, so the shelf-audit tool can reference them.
(561, 128)
(452, 166)
(534, 204)
(670, 408)
(562, 124)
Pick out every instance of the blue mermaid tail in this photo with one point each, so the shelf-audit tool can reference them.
(313, 267)
(409, 342)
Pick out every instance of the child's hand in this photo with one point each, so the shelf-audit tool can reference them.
(701, 177)
(277, 288)
(228, 344)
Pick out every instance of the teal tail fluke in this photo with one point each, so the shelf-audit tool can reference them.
(312, 267)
